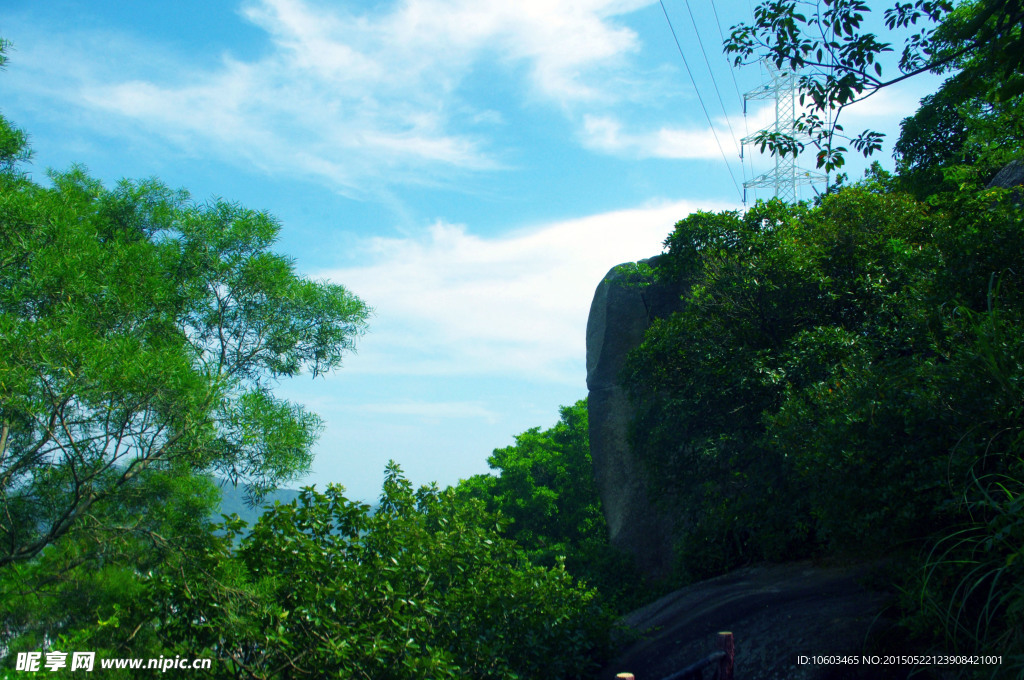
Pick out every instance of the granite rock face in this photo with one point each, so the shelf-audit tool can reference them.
(620, 313)
(1012, 175)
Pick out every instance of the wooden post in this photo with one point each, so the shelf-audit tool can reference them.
(725, 664)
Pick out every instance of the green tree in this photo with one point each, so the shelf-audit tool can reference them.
(425, 586)
(141, 331)
(545, 486)
(141, 335)
(91, 590)
(921, 440)
(954, 137)
(777, 301)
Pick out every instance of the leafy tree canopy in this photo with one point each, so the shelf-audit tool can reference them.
(425, 586)
(142, 330)
(956, 132)
(840, 63)
(545, 486)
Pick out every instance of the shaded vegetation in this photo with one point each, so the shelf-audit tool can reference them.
(845, 378)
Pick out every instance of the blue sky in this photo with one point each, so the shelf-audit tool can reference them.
(470, 168)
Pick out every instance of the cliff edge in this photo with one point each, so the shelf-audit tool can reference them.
(623, 308)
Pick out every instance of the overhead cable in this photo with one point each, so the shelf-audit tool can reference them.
(711, 73)
(700, 99)
(732, 67)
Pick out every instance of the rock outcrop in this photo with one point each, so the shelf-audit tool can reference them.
(777, 614)
(1012, 175)
(620, 313)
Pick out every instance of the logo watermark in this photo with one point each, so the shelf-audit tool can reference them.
(86, 661)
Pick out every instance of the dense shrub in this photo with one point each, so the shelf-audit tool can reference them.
(425, 586)
(545, 486)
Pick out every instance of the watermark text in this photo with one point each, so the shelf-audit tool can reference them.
(86, 661)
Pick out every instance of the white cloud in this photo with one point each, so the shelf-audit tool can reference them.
(356, 99)
(605, 134)
(608, 134)
(449, 302)
(894, 102)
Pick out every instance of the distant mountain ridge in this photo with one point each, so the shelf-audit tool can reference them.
(233, 501)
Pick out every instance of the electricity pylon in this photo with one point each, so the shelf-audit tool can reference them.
(786, 176)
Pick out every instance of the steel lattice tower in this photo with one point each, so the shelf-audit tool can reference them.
(786, 176)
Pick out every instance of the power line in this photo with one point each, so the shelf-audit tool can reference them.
(746, 124)
(732, 68)
(736, 87)
(712, 74)
(700, 99)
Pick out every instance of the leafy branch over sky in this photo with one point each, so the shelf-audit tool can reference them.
(840, 63)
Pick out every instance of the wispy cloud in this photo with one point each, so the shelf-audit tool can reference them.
(356, 99)
(450, 302)
(605, 134)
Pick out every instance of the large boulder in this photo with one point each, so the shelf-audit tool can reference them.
(623, 308)
(797, 621)
(1012, 175)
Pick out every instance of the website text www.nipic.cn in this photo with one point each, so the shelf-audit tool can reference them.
(86, 661)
